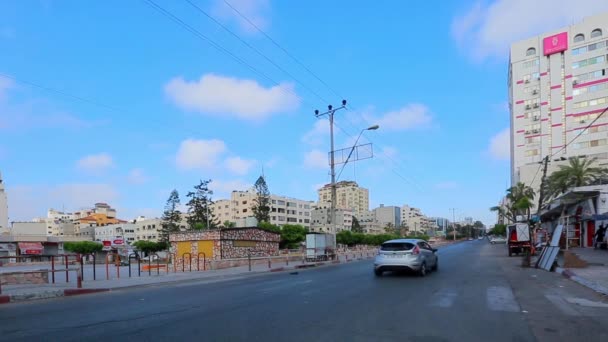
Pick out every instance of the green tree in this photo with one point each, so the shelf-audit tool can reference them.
(199, 207)
(171, 217)
(519, 202)
(269, 227)
(356, 226)
(499, 229)
(150, 246)
(83, 247)
(578, 172)
(292, 235)
(261, 206)
(228, 224)
(390, 229)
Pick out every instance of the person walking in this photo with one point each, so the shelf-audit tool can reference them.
(599, 236)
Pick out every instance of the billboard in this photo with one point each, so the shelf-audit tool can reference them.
(555, 43)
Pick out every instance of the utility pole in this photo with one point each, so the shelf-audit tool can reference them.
(332, 216)
(454, 221)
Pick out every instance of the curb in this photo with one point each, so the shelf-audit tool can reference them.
(76, 292)
(582, 281)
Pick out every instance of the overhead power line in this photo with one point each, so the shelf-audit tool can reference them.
(283, 49)
(217, 46)
(253, 48)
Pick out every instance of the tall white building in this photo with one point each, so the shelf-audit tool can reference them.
(283, 210)
(111, 232)
(3, 206)
(388, 215)
(348, 196)
(558, 85)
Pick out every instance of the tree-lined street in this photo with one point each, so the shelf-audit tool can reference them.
(478, 294)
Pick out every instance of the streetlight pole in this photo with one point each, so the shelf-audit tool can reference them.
(330, 112)
(454, 222)
(370, 128)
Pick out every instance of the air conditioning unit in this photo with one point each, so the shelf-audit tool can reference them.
(535, 130)
(583, 121)
(528, 107)
(527, 132)
(535, 105)
(535, 118)
(527, 81)
(534, 92)
(574, 82)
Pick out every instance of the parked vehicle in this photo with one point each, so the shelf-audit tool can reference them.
(519, 238)
(320, 247)
(497, 239)
(406, 255)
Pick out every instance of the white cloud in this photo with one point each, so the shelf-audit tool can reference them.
(199, 154)
(137, 176)
(316, 187)
(238, 165)
(227, 96)
(95, 162)
(487, 30)
(411, 116)
(318, 134)
(390, 151)
(448, 185)
(316, 159)
(30, 201)
(223, 188)
(500, 145)
(254, 10)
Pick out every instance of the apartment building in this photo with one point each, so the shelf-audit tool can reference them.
(388, 215)
(111, 232)
(150, 229)
(321, 220)
(283, 210)
(558, 86)
(348, 196)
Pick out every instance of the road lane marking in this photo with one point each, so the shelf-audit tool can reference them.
(586, 302)
(562, 305)
(501, 298)
(444, 298)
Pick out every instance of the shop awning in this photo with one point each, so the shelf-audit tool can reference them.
(30, 247)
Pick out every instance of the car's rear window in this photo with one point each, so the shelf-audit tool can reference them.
(396, 246)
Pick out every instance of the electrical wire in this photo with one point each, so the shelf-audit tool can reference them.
(217, 46)
(253, 48)
(282, 49)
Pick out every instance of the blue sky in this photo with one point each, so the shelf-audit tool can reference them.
(164, 108)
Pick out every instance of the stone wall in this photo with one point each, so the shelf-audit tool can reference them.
(29, 277)
(228, 244)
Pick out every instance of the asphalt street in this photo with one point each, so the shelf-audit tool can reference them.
(478, 294)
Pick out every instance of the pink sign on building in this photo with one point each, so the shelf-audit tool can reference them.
(556, 43)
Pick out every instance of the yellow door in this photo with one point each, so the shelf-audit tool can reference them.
(207, 248)
(183, 247)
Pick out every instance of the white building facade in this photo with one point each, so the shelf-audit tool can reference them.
(388, 215)
(348, 196)
(321, 216)
(283, 210)
(111, 232)
(558, 86)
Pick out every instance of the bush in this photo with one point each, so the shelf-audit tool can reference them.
(83, 247)
(150, 246)
(267, 226)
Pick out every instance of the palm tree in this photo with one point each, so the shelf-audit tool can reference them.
(578, 172)
(519, 202)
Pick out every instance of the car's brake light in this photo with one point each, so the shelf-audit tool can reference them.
(416, 250)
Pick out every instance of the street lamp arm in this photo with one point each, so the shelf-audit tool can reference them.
(374, 127)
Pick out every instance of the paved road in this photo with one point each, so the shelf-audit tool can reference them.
(478, 295)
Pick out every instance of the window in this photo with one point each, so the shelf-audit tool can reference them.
(531, 63)
(531, 52)
(244, 210)
(530, 153)
(590, 61)
(579, 38)
(596, 33)
(244, 202)
(281, 202)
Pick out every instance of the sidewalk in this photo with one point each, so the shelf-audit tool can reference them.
(594, 275)
(16, 293)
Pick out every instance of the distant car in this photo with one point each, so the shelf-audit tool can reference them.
(480, 237)
(406, 255)
(498, 239)
(470, 239)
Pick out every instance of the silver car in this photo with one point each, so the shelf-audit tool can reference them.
(406, 255)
